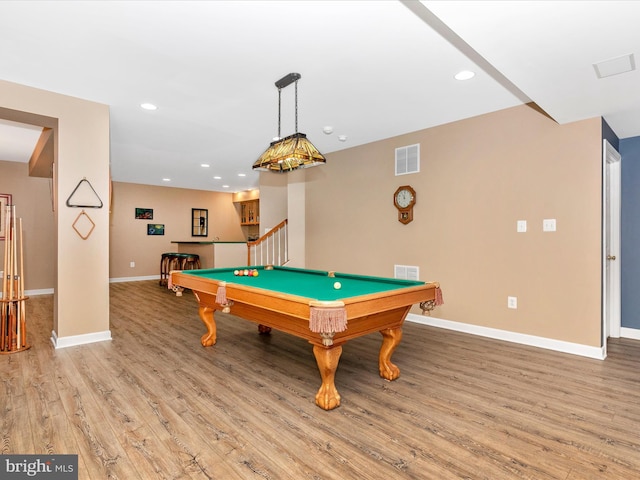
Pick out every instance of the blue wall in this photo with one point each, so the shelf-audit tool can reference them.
(630, 232)
(610, 136)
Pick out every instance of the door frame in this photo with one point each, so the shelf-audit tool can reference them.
(611, 200)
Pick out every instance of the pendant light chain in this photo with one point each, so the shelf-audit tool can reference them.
(296, 85)
(279, 102)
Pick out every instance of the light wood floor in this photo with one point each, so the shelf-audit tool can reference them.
(153, 403)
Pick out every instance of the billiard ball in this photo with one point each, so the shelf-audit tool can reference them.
(236, 272)
(337, 285)
(255, 273)
(246, 273)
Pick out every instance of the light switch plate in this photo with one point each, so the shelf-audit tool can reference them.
(512, 302)
(549, 225)
(521, 226)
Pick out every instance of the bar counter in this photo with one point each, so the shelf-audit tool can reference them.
(215, 253)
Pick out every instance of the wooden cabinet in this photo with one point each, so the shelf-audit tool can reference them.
(250, 212)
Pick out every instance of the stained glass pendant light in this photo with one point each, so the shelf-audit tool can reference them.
(292, 152)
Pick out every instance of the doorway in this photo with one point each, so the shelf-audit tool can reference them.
(611, 163)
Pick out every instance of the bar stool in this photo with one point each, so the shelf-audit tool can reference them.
(191, 262)
(166, 262)
(175, 261)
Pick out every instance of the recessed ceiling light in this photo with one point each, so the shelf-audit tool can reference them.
(342, 138)
(217, 178)
(205, 165)
(464, 75)
(242, 174)
(148, 106)
(328, 130)
(225, 186)
(166, 179)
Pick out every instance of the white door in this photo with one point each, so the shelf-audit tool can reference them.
(611, 243)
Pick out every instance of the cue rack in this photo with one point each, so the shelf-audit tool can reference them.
(13, 325)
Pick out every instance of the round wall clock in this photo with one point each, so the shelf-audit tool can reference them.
(404, 199)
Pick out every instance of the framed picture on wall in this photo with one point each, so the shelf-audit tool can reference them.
(199, 222)
(144, 213)
(155, 229)
(5, 199)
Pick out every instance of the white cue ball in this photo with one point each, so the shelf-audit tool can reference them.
(337, 285)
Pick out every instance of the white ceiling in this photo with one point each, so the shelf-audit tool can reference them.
(17, 140)
(370, 69)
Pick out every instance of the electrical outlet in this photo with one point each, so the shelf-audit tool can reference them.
(512, 302)
(132, 264)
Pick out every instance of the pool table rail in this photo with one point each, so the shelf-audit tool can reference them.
(273, 309)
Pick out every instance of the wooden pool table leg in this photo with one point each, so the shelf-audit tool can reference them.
(390, 340)
(327, 359)
(206, 315)
(264, 330)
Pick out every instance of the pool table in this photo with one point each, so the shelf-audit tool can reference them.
(309, 304)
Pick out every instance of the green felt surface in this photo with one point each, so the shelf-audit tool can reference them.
(315, 284)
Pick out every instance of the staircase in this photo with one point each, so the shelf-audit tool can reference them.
(270, 249)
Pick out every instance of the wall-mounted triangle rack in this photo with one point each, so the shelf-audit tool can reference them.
(86, 203)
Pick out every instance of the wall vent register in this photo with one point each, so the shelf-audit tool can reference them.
(406, 272)
(408, 159)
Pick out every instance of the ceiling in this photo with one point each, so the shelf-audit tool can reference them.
(370, 70)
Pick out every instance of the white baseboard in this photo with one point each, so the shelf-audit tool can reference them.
(626, 332)
(42, 291)
(523, 339)
(74, 340)
(50, 291)
(134, 279)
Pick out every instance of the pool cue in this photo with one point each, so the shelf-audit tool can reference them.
(6, 254)
(5, 286)
(19, 288)
(11, 339)
(14, 257)
(13, 307)
(22, 327)
(9, 240)
(9, 275)
(5, 291)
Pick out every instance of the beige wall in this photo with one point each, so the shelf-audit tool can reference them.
(477, 178)
(129, 239)
(34, 205)
(171, 207)
(273, 199)
(82, 267)
(297, 217)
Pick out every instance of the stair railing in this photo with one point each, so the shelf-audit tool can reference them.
(270, 249)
